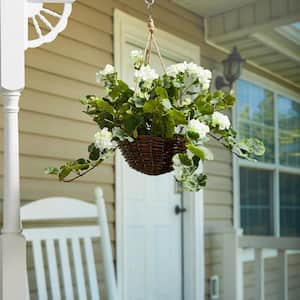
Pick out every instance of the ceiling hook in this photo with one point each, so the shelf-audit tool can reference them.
(149, 3)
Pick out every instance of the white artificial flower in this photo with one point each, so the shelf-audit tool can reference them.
(202, 74)
(198, 127)
(146, 73)
(204, 77)
(174, 70)
(103, 140)
(137, 58)
(192, 68)
(167, 104)
(221, 120)
(180, 129)
(187, 101)
(136, 54)
(101, 75)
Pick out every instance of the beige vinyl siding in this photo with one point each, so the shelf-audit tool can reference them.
(53, 129)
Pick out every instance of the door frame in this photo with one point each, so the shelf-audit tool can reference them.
(130, 29)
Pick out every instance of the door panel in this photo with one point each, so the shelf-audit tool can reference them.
(153, 237)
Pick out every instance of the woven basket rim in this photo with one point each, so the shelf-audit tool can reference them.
(153, 137)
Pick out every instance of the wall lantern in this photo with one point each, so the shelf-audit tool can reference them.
(232, 67)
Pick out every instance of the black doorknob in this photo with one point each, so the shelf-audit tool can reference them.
(179, 210)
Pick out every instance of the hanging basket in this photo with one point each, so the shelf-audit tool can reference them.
(152, 155)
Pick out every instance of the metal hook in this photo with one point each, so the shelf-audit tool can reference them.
(149, 3)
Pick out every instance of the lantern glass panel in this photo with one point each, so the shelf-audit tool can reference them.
(235, 69)
(227, 69)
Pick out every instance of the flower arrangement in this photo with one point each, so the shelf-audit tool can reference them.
(177, 104)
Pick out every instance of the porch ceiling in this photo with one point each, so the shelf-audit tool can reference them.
(211, 7)
(258, 28)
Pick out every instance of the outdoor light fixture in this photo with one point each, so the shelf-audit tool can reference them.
(232, 67)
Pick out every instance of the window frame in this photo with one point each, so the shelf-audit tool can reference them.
(275, 167)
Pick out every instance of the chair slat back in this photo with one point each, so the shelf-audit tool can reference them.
(66, 270)
(53, 246)
(53, 272)
(92, 275)
(39, 269)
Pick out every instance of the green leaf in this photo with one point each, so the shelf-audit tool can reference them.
(118, 89)
(252, 146)
(197, 151)
(195, 182)
(100, 104)
(178, 116)
(153, 106)
(64, 172)
(229, 100)
(161, 93)
(121, 135)
(193, 135)
(169, 126)
(94, 152)
(132, 122)
(51, 171)
(185, 160)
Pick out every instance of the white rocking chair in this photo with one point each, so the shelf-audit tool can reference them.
(57, 241)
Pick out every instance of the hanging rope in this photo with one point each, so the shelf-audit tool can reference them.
(151, 38)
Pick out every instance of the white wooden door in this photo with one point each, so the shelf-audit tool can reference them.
(150, 233)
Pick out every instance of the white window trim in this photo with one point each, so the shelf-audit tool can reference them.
(128, 28)
(277, 90)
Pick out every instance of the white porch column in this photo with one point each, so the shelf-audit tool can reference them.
(12, 243)
(11, 187)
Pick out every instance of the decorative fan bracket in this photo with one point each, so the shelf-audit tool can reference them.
(39, 16)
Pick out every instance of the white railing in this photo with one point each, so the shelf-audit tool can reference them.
(281, 247)
(238, 249)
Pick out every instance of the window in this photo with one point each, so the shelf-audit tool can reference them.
(269, 189)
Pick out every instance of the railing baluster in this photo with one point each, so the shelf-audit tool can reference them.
(259, 275)
(283, 275)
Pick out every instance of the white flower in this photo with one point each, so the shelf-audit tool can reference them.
(187, 101)
(136, 54)
(198, 127)
(202, 74)
(174, 70)
(192, 68)
(180, 129)
(146, 73)
(101, 75)
(137, 58)
(103, 140)
(221, 120)
(204, 77)
(167, 104)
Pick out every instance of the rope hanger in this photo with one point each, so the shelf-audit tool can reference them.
(151, 38)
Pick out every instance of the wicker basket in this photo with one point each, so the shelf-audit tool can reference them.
(152, 155)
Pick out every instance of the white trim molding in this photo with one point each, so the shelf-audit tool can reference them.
(132, 30)
(275, 167)
(35, 11)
